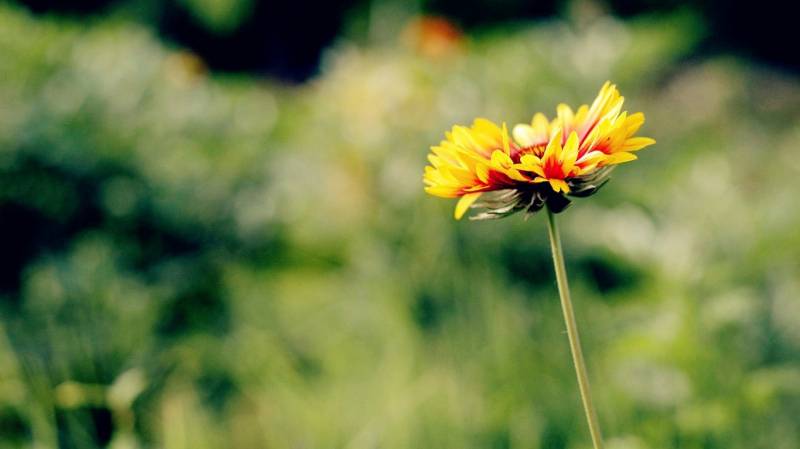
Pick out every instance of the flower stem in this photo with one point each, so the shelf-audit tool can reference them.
(572, 331)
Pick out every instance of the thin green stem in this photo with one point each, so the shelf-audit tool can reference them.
(572, 331)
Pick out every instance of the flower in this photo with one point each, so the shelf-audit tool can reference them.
(538, 164)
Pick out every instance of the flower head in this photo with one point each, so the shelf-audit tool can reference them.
(538, 164)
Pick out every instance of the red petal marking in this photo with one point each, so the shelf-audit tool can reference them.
(552, 169)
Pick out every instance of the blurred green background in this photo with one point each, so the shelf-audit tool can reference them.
(200, 255)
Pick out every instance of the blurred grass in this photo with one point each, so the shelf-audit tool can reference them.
(195, 260)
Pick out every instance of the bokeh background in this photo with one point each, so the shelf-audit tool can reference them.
(214, 234)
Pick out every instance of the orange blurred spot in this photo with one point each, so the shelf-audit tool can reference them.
(433, 36)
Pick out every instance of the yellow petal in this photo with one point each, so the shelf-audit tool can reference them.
(591, 157)
(554, 146)
(464, 203)
(619, 158)
(501, 159)
(514, 174)
(525, 135)
(565, 115)
(559, 185)
(580, 114)
(443, 192)
(633, 123)
(614, 108)
(570, 147)
(540, 124)
(599, 104)
(637, 143)
(531, 168)
(506, 146)
(482, 172)
(461, 176)
(530, 159)
(570, 152)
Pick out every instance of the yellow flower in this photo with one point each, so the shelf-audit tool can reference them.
(539, 163)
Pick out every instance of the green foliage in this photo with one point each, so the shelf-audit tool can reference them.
(220, 15)
(192, 261)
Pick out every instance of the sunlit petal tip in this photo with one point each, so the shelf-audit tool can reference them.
(565, 114)
(524, 135)
(620, 158)
(637, 143)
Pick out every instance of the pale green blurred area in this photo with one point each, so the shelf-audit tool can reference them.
(242, 264)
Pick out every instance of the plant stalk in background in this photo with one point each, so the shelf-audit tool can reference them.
(572, 330)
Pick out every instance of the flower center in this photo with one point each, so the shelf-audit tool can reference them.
(536, 150)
